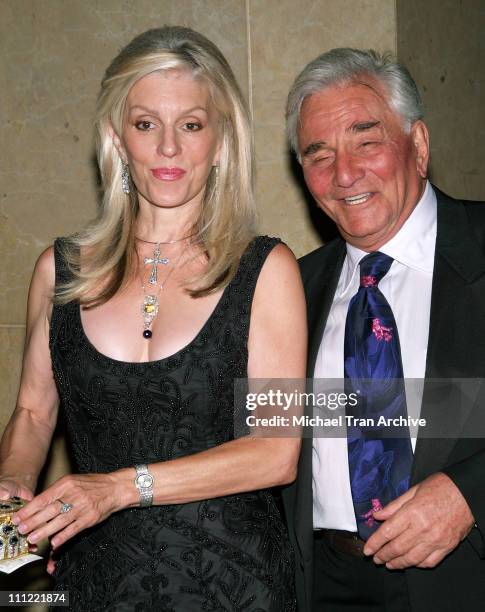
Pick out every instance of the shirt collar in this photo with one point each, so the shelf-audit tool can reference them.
(413, 245)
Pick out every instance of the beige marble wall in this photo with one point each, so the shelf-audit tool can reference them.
(442, 43)
(52, 56)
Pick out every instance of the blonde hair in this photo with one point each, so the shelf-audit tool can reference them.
(226, 223)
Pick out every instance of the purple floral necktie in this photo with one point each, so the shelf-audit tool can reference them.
(379, 465)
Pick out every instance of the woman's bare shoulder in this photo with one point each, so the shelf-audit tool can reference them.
(277, 339)
(43, 282)
(280, 267)
(45, 265)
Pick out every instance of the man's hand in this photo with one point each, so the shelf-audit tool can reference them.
(421, 526)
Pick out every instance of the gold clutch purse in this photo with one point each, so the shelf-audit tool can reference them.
(12, 543)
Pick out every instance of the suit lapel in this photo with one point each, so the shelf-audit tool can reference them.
(320, 290)
(320, 272)
(455, 345)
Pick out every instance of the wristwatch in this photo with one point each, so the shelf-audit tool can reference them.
(144, 483)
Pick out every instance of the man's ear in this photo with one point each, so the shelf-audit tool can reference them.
(420, 141)
(117, 143)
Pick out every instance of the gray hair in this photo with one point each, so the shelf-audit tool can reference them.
(341, 66)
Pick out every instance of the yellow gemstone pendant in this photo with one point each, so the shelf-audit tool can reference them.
(149, 308)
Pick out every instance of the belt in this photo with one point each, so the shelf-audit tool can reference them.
(347, 542)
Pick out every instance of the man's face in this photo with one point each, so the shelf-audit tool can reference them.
(361, 168)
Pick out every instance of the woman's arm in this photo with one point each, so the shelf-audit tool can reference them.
(277, 349)
(28, 434)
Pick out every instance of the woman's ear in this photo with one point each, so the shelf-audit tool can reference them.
(117, 143)
(219, 147)
(217, 157)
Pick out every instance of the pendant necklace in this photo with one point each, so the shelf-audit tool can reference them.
(151, 303)
(156, 259)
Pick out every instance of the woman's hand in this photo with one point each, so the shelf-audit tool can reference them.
(11, 488)
(92, 497)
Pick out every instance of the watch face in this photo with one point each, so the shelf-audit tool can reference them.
(144, 481)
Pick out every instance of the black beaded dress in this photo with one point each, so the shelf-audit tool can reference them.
(225, 554)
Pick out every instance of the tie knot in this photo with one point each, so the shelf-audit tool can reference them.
(373, 268)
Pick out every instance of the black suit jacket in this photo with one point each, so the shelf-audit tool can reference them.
(456, 349)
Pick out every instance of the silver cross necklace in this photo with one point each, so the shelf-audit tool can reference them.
(157, 259)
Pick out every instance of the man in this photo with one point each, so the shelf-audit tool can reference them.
(415, 256)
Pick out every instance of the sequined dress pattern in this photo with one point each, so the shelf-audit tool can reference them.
(229, 553)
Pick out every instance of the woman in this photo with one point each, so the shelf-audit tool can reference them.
(158, 305)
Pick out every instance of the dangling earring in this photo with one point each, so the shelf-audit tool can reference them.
(125, 179)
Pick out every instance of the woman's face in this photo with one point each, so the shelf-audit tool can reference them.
(170, 138)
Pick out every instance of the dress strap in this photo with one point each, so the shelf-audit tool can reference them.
(61, 314)
(244, 282)
(63, 274)
(253, 259)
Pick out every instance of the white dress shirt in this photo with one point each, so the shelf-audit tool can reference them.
(407, 288)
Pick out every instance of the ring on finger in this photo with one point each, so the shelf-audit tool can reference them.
(65, 507)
